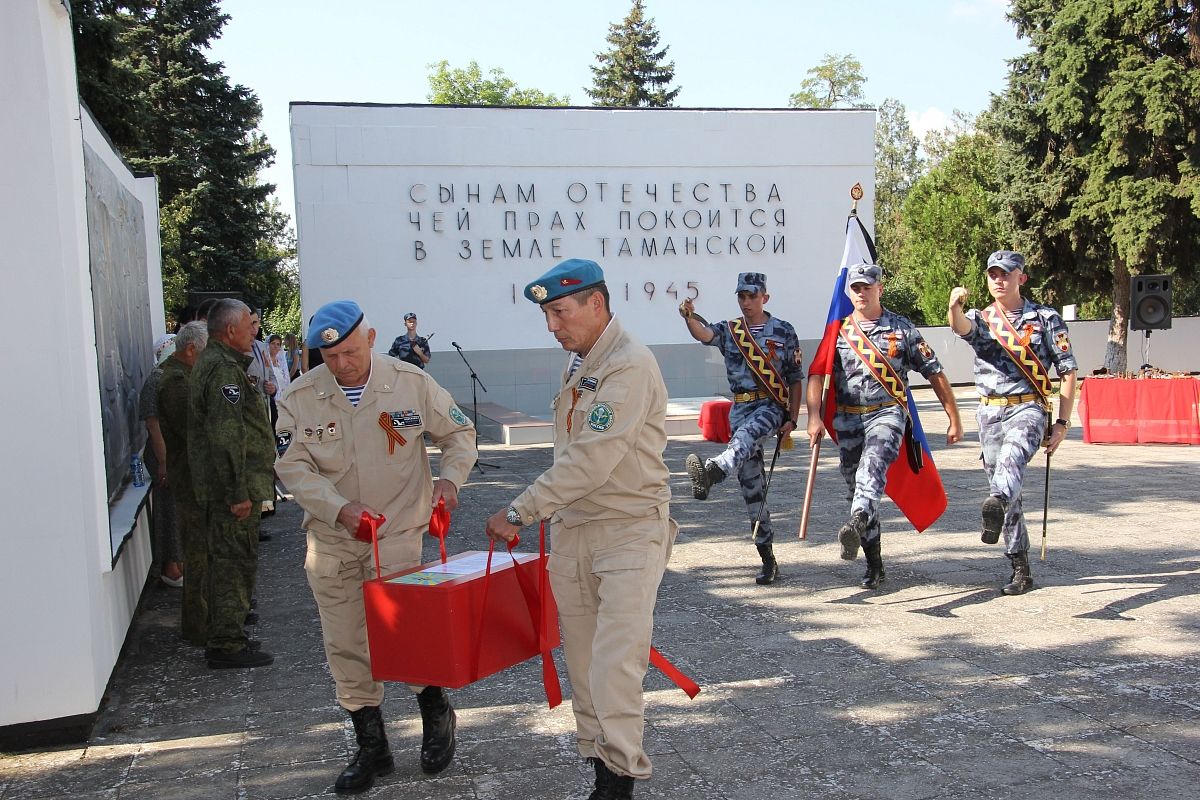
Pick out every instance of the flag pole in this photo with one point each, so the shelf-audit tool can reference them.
(812, 470)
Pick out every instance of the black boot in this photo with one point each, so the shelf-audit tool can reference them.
(1022, 579)
(373, 757)
(610, 785)
(438, 722)
(703, 474)
(851, 533)
(770, 567)
(874, 574)
(992, 511)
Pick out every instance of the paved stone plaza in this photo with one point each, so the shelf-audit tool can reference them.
(934, 687)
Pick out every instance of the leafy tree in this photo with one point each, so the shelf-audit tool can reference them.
(898, 165)
(834, 83)
(632, 73)
(172, 112)
(1101, 116)
(468, 87)
(953, 220)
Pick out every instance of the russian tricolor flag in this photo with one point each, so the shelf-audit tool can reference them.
(919, 495)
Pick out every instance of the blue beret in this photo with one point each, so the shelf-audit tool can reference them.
(753, 282)
(565, 278)
(332, 323)
(869, 274)
(1006, 260)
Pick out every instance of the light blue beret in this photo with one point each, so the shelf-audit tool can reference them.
(565, 278)
(332, 323)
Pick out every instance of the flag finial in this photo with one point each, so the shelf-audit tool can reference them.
(856, 194)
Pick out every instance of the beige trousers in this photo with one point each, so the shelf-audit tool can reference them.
(605, 578)
(335, 574)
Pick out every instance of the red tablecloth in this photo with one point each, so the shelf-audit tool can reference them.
(714, 420)
(1140, 411)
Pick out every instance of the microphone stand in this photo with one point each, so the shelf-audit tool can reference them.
(479, 463)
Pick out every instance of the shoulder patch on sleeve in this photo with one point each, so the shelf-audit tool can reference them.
(601, 417)
(232, 392)
(457, 416)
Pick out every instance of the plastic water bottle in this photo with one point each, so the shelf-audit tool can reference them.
(137, 469)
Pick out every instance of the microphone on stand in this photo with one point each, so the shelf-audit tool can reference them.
(455, 345)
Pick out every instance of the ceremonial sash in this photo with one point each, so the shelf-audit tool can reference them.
(760, 366)
(1021, 353)
(875, 362)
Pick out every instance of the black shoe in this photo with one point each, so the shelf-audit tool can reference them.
(438, 722)
(770, 568)
(251, 618)
(1022, 578)
(993, 511)
(851, 533)
(703, 475)
(246, 657)
(610, 785)
(374, 757)
(874, 574)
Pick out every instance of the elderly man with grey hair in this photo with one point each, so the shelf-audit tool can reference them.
(231, 450)
(173, 390)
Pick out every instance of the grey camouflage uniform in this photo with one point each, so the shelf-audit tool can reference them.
(754, 422)
(869, 443)
(1010, 435)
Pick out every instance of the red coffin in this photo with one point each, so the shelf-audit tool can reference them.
(449, 624)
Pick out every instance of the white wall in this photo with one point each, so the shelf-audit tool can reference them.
(68, 606)
(377, 222)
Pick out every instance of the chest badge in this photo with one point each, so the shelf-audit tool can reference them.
(601, 417)
(232, 392)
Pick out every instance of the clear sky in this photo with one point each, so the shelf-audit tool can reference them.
(934, 56)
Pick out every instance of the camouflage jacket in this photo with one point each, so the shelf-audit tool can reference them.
(995, 371)
(901, 344)
(174, 389)
(231, 449)
(778, 340)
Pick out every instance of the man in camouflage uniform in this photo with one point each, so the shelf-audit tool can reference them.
(352, 434)
(1013, 410)
(174, 393)
(231, 450)
(755, 415)
(870, 422)
(607, 495)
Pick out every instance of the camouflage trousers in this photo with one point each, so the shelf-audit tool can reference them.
(1010, 437)
(867, 446)
(232, 569)
(753, 424)
(194, 619)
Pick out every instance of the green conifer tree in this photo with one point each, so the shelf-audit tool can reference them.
(632, 73)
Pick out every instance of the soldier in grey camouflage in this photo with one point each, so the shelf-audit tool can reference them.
(1013, 413)
(755, 416)
(231, 450)
(870, 422)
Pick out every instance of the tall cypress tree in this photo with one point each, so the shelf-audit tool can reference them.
(174, 113)
(1104, 181)
(631, 73)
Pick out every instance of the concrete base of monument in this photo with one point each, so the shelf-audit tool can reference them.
(510, 427)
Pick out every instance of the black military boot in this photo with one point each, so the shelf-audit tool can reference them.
(704, 475)
(1022, 579)
(373, 758)
(993, 511)
(851, 533)
(610, 785)
(770, 567)
(438, 722)
(874, 574)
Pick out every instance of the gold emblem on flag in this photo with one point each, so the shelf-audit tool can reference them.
(329, 335)
(538, 291)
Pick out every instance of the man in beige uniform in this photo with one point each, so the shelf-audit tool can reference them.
(607, 496)
(353, 429)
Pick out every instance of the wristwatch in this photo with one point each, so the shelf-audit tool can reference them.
(514, 517)
(1065, 423)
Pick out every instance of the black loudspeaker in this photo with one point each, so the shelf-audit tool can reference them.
(1150, 302)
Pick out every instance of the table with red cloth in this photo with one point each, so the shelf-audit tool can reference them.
(714, 420)
(1140, 410)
